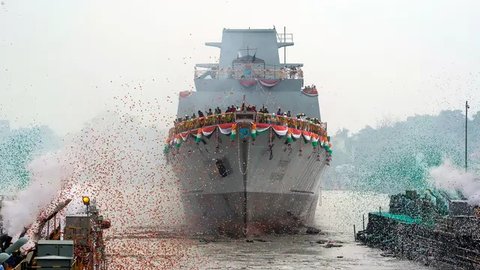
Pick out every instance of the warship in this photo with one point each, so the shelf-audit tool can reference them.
(242, 168)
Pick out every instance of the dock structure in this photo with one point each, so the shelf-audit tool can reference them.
(434, 239)
(78, 246)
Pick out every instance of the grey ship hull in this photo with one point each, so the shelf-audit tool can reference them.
(259, 195)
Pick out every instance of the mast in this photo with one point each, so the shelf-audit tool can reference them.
(285, 48)
(466, 125)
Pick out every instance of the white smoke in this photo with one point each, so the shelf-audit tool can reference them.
(47, 174)
(116, 160)
(451, 178)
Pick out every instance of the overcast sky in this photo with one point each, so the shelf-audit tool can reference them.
(64, 62)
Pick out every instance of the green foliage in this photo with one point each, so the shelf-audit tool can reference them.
(394, 158)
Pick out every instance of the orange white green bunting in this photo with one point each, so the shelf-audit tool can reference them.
(230, 129)
(261, 127)
(198, 137)
(280, 130)
(207, 131)
(178, 141)
(296, 134)
(253, 132)
(314, 139)
(225, 129)
(289, 136)
(234, 131)
(307, 135)
(184, 135)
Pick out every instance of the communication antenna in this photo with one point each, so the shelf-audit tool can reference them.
(284, 47)
(466, 125)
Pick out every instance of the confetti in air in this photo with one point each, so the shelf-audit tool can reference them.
(116, 159)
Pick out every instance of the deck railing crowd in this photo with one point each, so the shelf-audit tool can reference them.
(299, 122)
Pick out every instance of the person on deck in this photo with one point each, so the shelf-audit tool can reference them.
(292, 73)
(5, 242)
(279, 112)
(300, 73)
(209, 112)
(200, 114)
(262, 110)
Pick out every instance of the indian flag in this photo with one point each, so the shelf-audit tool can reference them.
(314, 140)
(307, 136)
(329, 149)
(198, 137)
(178, 141)
(289, 136)
(254, 131)
(324, 140)
(234, 131)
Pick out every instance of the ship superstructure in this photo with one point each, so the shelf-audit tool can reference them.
(249, 146)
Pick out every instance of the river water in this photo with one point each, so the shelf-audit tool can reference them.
(337, 213)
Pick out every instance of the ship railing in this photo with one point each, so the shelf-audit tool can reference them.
(242, 117)
(301, 123)
(311, 125)
(284, 37)
(273, 73)
(199, 122)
